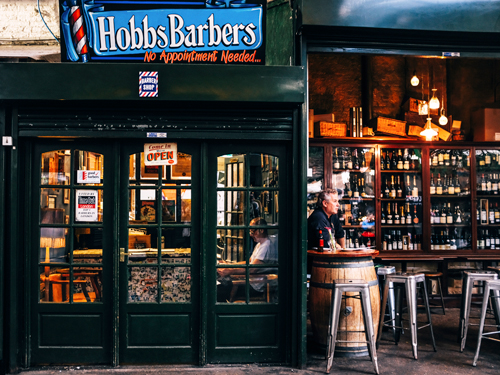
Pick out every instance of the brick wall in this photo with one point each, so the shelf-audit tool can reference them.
(20, 22)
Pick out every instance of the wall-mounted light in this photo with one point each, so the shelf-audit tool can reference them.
(414, 80)
(443, 120)
(434, 102)
(428, 131)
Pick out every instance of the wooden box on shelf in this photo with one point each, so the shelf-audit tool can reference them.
(486, 122)
(389, 126)
(330, 129)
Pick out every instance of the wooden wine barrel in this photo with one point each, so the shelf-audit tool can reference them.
(324, 271)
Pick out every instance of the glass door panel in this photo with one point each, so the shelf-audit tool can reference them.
(247, 228)
(450, 210)
(354, 179)
(401, 198)
(156, 266)
(488, 199)
(71, 289)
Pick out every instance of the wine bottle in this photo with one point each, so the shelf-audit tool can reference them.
(383, 220)
(439, 185)
(349, 160)
(394, 240)
(494, 184)
(394, 160)
(348, 191)
(440, 157)
(453, 158)
(397, 218)
(446, 157)
(356, 160)
(414, 192)
(497, 214)
(406, 160)
(402, 216)
(457, 187)
(408, 187)
(321, 240)
(362, 192)
(382, 161)
(336, 162)
(387, 191)
(413, 161)
(449, 215)
(355, 190)
(435, 159)
(400, 240)
(393, 188)
(400, 163)
(443, 214)
(399, 191)
(408, 214)
(491, 214)
(433, 186)
(389, 214)
(451, 186)
(389, 242)
(415, 216)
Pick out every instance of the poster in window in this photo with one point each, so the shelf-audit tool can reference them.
(181, 170)
(86, 205)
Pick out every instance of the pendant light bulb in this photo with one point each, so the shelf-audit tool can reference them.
(414, 80)
(428, 131)
(434, 102)
(443, 120)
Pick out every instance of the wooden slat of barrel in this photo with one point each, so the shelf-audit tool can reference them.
(324, 272)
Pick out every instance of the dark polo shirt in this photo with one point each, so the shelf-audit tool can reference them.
(319, 220)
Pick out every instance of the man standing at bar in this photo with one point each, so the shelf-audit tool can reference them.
(323, 217)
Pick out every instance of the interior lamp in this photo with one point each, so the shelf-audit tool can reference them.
(428, 131)
(434, 102)
(414, 80)
(423, 108)
(443, 120)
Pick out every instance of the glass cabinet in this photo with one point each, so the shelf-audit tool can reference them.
(397, 197)
(487, 199)
(450, 204)
(401, 199)
(353, 175)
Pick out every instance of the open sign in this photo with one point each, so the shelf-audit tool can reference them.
(160, 153)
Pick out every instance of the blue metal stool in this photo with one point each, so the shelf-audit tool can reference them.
(356, 286)
(408, 282)
(467, 284)
(493, 287)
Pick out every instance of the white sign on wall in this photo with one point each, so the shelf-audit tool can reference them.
(160, 153)
(86, 205)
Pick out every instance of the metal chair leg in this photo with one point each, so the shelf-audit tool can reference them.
(333, 326)
(441, 294)
(481, 323)
(428, 309)
(411, 298)
(369, 331)
(464, 320)
(382, 313)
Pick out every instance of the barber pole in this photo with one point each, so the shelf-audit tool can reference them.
(78, 31)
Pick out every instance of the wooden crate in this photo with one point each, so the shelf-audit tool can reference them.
(389, 126)
(330, 129)
(139, 241)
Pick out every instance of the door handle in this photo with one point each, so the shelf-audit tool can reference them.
(123, 254)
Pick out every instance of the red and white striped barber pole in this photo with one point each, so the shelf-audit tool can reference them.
(78, 31)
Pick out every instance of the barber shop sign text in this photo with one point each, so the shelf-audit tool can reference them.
(158, 31)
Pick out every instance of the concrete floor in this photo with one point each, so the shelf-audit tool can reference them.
(393, 359)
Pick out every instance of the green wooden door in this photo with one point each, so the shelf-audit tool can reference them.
(159, 274)
(71, 252)
(246, 256)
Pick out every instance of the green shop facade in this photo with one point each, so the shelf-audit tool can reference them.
(109, 260)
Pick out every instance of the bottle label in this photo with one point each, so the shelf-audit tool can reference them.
(439, 190)
(449, 220)
(457, 190)
(433, 189)
(451, 190)
(414, 192)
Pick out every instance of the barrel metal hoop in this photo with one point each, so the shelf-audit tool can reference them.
(330, 285)
(343, 265)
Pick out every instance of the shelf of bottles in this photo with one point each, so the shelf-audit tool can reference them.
(450, 210)
(401, 199)
(353, 175)
(488, 199)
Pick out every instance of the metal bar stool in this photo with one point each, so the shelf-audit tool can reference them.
(493, 287)
(436, 276)
(408, 282)
(356, 286)
(467, 284)
(382, 272)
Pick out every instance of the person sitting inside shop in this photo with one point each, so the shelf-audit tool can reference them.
(325, 219)
(264, 252)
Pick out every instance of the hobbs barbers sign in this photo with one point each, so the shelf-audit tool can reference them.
(181, 31)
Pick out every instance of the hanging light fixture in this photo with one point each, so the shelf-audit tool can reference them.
(443, 120)
(414, 80)
(434, 102)
(428, 131)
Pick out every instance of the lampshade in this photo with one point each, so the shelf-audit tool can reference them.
(434, 102)
(428, 131)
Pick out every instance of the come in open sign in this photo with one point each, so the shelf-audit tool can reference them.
(160, 153)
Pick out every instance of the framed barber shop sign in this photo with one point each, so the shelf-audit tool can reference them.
(170, 32)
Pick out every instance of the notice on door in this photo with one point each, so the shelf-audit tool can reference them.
(86, 205)
(160, 153)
